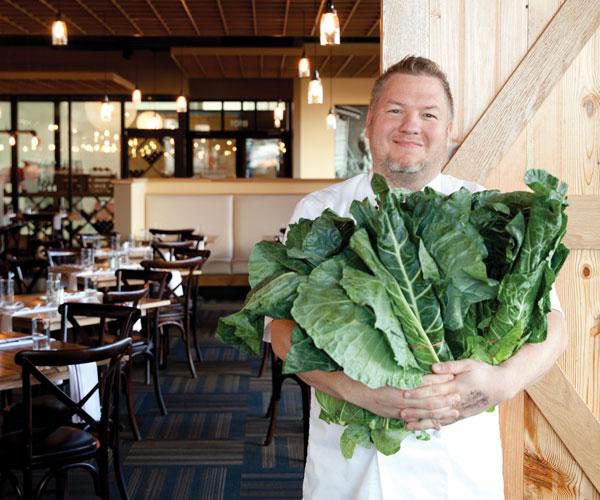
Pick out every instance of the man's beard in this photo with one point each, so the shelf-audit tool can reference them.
(390, 165)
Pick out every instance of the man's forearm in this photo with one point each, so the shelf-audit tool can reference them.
(532, 361)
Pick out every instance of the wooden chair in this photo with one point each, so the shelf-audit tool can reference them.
(29, 273)
(156, 284)
(142, 347)
(179, 313)
(60, 449)
(277, 379)
(166, 250)
(171, 234)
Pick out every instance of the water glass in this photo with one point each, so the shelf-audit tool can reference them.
(89, 286)
(40, 333)
(114, 260)
(88, 255)
(7, 291)
(115, 241)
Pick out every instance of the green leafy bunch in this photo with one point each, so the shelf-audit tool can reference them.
(420, 278)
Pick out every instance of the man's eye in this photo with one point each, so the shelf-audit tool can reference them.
(394, 111)
(430, 116)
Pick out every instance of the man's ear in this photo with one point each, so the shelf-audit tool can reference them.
(368, 122)
(449, 138)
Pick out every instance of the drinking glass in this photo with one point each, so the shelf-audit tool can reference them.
(40, 333)
(7, 291)
(88, 258)
(115, 241)
(89, 285)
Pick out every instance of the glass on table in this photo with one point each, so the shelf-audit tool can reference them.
(40, 333)
(90, 288)
(7, 291)
(88, 256)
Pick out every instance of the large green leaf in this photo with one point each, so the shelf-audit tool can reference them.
(275, 298)
(269, 259)
(242, 330)
(345, 330)
(304, 356)
(400, 257)
(364, 289)
(414, 331)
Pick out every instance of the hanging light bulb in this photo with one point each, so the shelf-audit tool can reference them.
(279, 111)
(304, 66)
(181, 104)
(136, 96)
(277, 123)
(59, 31)
(315, 89)
(331, 120)
(12, 140)
(106, 110)
(35, 142)
(330, 25)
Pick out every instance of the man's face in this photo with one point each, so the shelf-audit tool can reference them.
(409, 130)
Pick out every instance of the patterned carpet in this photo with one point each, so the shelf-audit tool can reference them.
(209, 446)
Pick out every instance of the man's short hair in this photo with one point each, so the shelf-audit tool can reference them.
(417, 66)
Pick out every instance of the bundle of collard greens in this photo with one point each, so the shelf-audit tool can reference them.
(423, 277)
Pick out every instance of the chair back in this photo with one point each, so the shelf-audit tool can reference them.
(127, 297)
(186, 253)
(29, 273)
(156, 281)
(108, 356)
(166, 249)
(81, 315)
(189, 277)
(170, 234)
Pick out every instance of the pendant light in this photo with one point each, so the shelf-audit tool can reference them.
(35, 142)
(12, 140)
(136, 96)
(304, 62)
(106, 110)
(181, 103)
(279, 111)
(330, 121)
(330, 25)
(315, 89)
(59, 31)
(304, 66)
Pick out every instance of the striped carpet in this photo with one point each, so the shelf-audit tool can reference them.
(209, 446)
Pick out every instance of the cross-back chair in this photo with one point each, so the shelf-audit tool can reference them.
(60, 449)
(179, 313)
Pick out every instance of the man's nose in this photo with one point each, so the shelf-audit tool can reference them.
(411, 123)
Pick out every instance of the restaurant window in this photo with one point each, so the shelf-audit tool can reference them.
(265, 117)
(5, 152)
(264, 157)
(151, 156)
(214, 158)
(95, 158)
(35, 155)
(151, 115)
(205, 116)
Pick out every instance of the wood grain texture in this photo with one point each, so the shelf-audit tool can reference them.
(529, 85)
(405, 27)
(550, 470)
(571, 419)
(582, 232)
(513, 446)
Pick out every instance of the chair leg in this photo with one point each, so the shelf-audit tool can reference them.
(305, 388)
(119, 471)
(188, 348)
(276, 383)
(266, 355)
(103, 479)
(152, 360)
(196, 347)
(130, 403)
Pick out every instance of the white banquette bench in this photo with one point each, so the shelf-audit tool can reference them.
(234, 214)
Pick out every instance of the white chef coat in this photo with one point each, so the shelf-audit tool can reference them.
(462, 461)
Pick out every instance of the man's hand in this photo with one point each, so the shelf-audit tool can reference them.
(475, 387)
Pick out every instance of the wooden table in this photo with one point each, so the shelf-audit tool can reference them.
(10, 372)
(31, 300)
